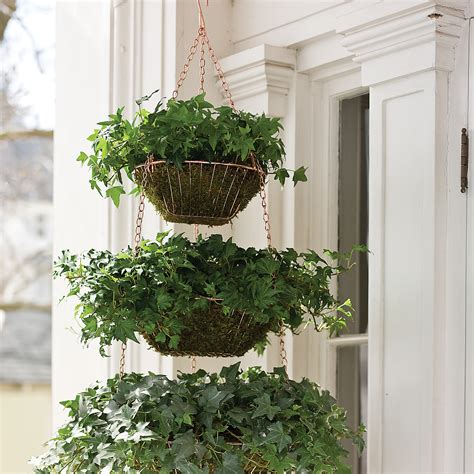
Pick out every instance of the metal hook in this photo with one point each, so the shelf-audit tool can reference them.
(202, 23)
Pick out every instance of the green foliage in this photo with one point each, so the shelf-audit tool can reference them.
(183, 130)
(202, 423)
(152, 292)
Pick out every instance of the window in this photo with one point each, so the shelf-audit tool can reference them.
(26, 193)
(351, 347)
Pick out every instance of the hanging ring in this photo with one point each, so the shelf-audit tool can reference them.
(202, 23)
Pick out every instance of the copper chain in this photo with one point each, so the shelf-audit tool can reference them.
(123, 348)
(202, 66)
(266, 216)
(193, 358)
(141, 207)
(203, 39)
(184, 72)
(283, 355)
(136, 242)
(266, 221)
(220, 73)
(138, 223)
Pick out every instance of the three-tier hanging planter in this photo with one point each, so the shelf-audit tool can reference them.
(198, 164)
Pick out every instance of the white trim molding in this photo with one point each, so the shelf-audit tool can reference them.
(263, 75)
(422, 37)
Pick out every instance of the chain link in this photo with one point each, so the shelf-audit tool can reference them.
(202, 66)
(136, 245)
(193, 358)
(203, 39)
(266, 216)
(266, 221)
(141, 207)
(220, 73)
(184, 72)
(283, 355)
(123, 348)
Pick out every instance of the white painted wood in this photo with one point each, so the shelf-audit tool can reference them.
(80, 215)
(453, 357)
(348, 341)
(288, 25)
(400, 326)
(469, 327)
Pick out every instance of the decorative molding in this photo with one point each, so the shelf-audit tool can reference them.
(422, 37)
(261, 76)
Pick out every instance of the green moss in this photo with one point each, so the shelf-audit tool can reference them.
(207, 193)
(212, 333)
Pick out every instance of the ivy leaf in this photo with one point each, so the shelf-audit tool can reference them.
(281, 175)
(300, 175)
(82, 157)
(114, 193)
(127, 423)
(265, 407)
(276, 434)
(231, 464)
(211, 398)
(183, 445)
(230, 373)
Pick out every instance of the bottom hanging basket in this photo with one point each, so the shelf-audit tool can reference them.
(200, 192)
(212, 333)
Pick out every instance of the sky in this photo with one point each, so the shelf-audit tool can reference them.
(27, 55)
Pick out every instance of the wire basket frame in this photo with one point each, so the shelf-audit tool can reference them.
(212, 333)
(199, 192)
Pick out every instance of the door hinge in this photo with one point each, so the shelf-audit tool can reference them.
(464, 159)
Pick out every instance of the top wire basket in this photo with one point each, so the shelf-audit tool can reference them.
(200, 192)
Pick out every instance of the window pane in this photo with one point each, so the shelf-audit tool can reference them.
(351, 387)
(353, 205)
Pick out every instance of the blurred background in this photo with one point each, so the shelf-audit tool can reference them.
(27, 29)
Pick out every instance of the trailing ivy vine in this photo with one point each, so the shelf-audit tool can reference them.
(171, 277)
(182, 130)
(230, 423)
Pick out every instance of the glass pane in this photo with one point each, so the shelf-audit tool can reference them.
(26, 212)
(353, 205)
(351, 388)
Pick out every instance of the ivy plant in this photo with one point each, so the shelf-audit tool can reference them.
(228, 423)
(151, 291)
(179, 131)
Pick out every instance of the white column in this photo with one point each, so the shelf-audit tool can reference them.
(407, 61)
(263, 80)
(80, 215)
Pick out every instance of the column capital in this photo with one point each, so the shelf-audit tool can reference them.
(260, 78)
(421, 37)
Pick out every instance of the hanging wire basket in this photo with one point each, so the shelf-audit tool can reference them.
(200, 192)
(212, 333)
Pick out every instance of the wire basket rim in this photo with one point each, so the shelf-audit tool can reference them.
(198, 162)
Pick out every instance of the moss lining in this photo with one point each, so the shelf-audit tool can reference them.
(200, 193)
(213, 334)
